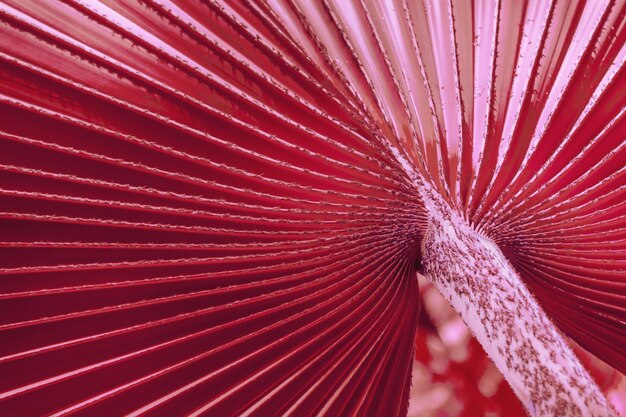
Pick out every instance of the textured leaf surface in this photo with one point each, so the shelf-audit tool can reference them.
(213, 208)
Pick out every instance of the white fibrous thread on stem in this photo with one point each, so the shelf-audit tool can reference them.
(474, 276)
